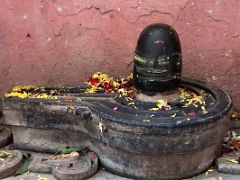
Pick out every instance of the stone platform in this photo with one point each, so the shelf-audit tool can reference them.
(103, 175)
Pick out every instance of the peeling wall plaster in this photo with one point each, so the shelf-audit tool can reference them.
(64, 42)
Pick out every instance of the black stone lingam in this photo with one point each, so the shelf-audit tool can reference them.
(157, 60)
(132, 141)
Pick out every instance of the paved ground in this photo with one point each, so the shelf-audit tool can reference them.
(103, 175)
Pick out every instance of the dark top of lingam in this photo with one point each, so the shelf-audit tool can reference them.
(157, 60)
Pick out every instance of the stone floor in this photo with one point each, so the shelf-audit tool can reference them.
(103, 175)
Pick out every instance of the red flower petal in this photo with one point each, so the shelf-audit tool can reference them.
(94, 81)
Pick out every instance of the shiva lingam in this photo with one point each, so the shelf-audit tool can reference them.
(161, 127)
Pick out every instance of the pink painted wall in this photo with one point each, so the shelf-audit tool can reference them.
(46, 42)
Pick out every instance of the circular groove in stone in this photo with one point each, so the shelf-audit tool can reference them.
(11, 164)
(83, 168)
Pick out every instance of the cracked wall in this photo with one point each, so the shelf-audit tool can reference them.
(46, 42)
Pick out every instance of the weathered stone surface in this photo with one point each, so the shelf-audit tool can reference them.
(215, 176)
(228, 164)
(46, 140)
(5, 136)
(11, 164)
(63, 167)
(39, 163)
(5, 132)
(32, 176)
(104, 175)
(234, 125)
(100, 175)
(78, 38)
(124, 143)
(77, 170)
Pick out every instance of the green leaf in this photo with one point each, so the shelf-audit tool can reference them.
(66, 150)
(23, 168)
(3, 155)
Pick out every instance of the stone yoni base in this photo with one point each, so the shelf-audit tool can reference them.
(131, 141)
(114, 159)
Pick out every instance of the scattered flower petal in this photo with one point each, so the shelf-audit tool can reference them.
(115, 108)
(233, 161)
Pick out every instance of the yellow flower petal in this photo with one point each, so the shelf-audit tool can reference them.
(233, 161)
(153, 109)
